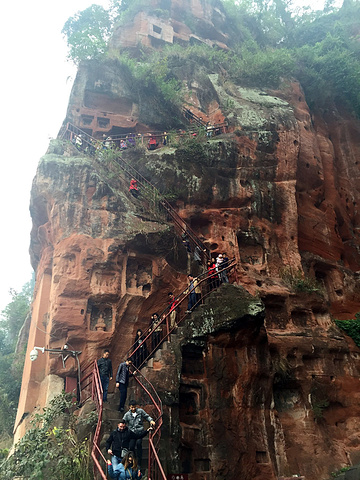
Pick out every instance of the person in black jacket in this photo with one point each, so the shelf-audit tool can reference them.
(122, 381)
(141, 353)
(117, 444)
(106, 372)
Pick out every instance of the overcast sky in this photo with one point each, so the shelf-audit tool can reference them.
(35, 85)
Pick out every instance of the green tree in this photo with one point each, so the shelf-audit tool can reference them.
(12, 319)
(51, 449)
(87, 33)
(13, 316)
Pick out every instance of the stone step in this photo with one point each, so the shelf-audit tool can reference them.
(157, 354)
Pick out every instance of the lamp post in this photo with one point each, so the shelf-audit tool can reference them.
(65, 354)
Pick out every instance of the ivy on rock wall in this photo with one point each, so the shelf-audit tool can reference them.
(351, 328)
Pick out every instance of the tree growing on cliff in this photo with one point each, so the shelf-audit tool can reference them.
(12, 319)
(87, 33)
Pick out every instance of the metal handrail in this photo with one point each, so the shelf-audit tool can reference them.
(97, 397)
(188, 114)
(154, 464)
(70, 130)
(164, 317)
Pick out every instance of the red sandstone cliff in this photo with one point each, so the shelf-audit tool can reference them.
(276, 385)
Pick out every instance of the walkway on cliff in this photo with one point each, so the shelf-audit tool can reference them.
(91, 385)
(90, 382)
(156, 200)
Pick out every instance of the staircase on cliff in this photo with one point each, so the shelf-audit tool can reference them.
(156, 200)
(141, 389)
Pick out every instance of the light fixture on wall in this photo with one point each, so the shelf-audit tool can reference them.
(65, 354)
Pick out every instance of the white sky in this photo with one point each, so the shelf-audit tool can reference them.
(35, 88)
(35, 85)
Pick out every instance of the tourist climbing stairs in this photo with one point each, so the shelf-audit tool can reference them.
(142, 389)
(156, 200)
(109, 417)
(207, 283)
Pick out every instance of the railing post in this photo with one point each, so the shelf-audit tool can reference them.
(168, 327)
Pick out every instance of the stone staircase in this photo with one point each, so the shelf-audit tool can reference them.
(111, 418)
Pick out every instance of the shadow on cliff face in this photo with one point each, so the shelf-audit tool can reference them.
(219, 388)
(164, 245)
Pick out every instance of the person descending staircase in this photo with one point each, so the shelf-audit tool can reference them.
(108, 418)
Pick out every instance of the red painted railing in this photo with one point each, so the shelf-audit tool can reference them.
(71, 132)
(164, 321)
(155, 469)
(90, 382)
(91, 387)
(210, 129)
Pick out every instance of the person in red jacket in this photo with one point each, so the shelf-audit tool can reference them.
(152, 144)
(133, 188)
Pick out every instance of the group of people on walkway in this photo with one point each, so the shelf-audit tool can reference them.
(122, 377)
(216, 275)
(86, 143)
(217, 271)
(127, 438)
(123, 442)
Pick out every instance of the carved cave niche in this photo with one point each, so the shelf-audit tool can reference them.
(186, 459)
(189, 401)
(103, 122)
(100, 316)
(287, 393)
(193, 456)
(86, 119)
(261, 457)
(323, 274)
(67, 264)
(104, 281)
(202, 465)
(139, 276)
(192, 361)
(286, 398)
(250, 249)
(202, 224)
(300, 318)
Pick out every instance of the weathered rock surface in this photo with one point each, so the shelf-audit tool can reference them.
(260, 383)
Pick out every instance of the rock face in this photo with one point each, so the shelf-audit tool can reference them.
(260, 382)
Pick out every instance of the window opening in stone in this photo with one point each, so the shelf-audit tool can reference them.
(86, 119)
(156, 29)
(103, 122)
